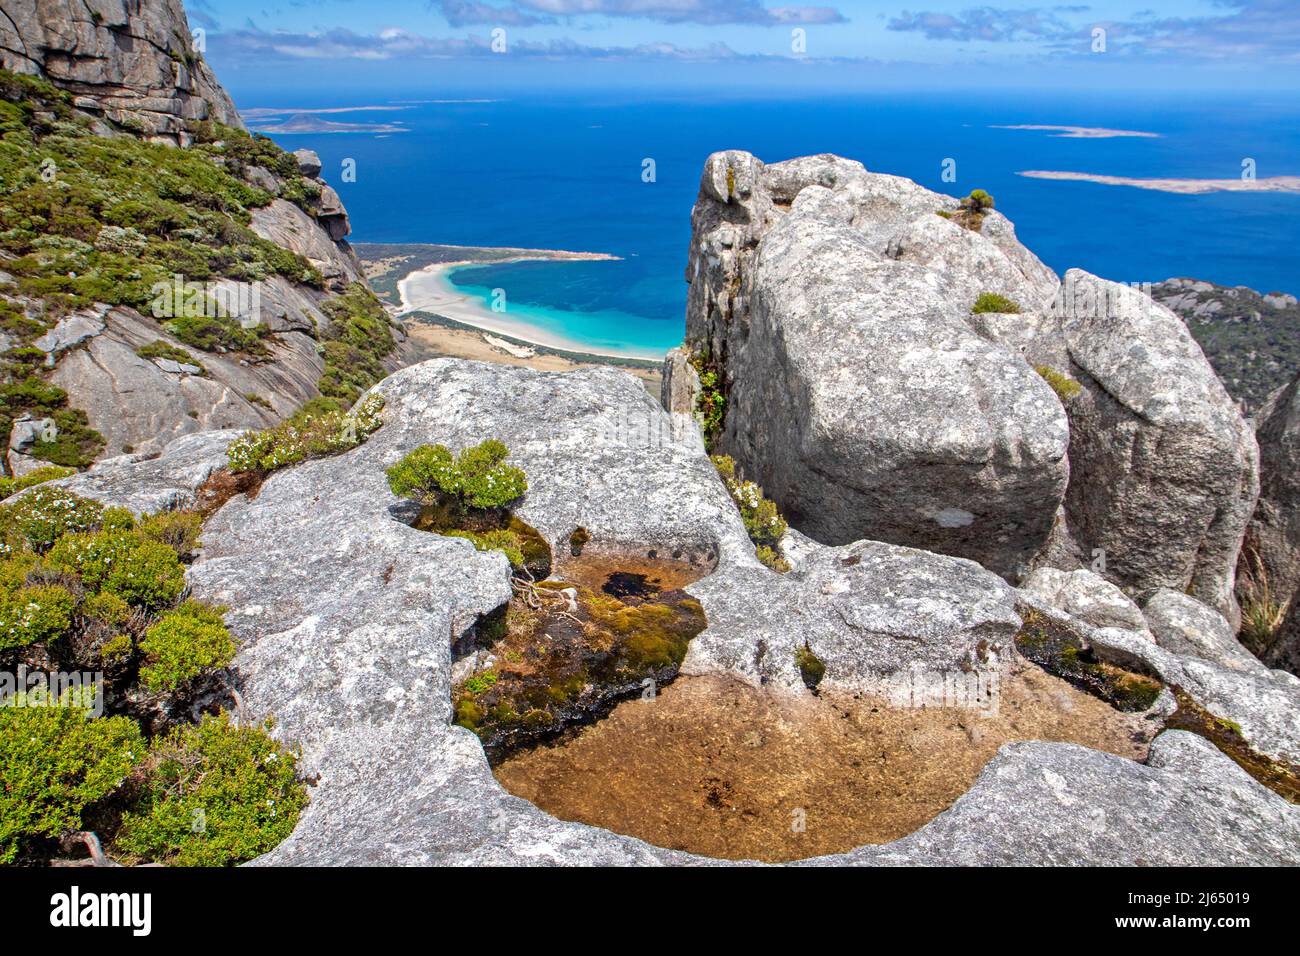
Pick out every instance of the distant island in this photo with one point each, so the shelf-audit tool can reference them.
(1082, 132)
(310, 123)
(1272, 184)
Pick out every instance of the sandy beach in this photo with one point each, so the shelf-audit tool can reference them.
(429, 290)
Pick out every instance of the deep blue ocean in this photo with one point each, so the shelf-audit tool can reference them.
(567, 174)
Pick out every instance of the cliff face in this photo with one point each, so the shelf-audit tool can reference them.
(131, 62)
(147, 291)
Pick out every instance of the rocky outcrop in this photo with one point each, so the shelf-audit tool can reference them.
(1270, 557)
(141, 404)
(1164, 468)
(1088, 597)
(1188, 628)
(835, 303)
(352, 649)
(869, 399)
(136, 65)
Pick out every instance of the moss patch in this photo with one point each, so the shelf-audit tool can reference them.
(1279, 776)
(1058, 650)
(561, 662)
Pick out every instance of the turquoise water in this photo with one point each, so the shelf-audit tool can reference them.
(568, 175)
(531, 297)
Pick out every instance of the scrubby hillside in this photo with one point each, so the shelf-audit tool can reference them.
(1252, 340)
(148, 291)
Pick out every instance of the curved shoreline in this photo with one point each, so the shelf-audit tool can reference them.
(430, 290)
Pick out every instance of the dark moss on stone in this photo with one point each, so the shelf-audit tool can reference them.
(1058, 650)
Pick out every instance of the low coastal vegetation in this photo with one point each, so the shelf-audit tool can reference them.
(97, 592)
(11, 486)
(356, 341)
(471, 495)
(1065, 387)
(159, 349)
(711, 402)
(763, 521)
(319, 428)
(90, 219)
(992, 302)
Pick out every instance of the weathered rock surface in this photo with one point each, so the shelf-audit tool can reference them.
(836, 303)
(1164, 468)
(346, 616)
(868, 401)
(139, 406)
(1086, 596)
(1188, 628)
(1270, 556)
(164, 481)
(132, 63)
(286, 225)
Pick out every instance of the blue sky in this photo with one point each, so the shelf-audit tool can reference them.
(291, 45)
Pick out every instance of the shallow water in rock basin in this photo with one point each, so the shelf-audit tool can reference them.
(714, 766)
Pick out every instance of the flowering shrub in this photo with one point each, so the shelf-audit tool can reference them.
(141, 572)
(54, 762)
(11, 486)
(476, 478)
(763, 522)
(216, 795)
(307, 434)
(39, 613)
(38, 519)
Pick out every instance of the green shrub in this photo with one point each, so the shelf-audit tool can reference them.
(40, 517)
(476, 478)
(55, 761)
(11, 486)
(763, 522)
(992, 302)
(1065, 387)
(165, 350)
(179, 530)
(309, 433)
(183, 644)
(35, 614)
(711, 402)
(978, 201)
(357, 338)
(216, 795)
(143, 573)
(106, 607)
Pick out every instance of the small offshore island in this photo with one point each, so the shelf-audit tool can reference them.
(1271, 184)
